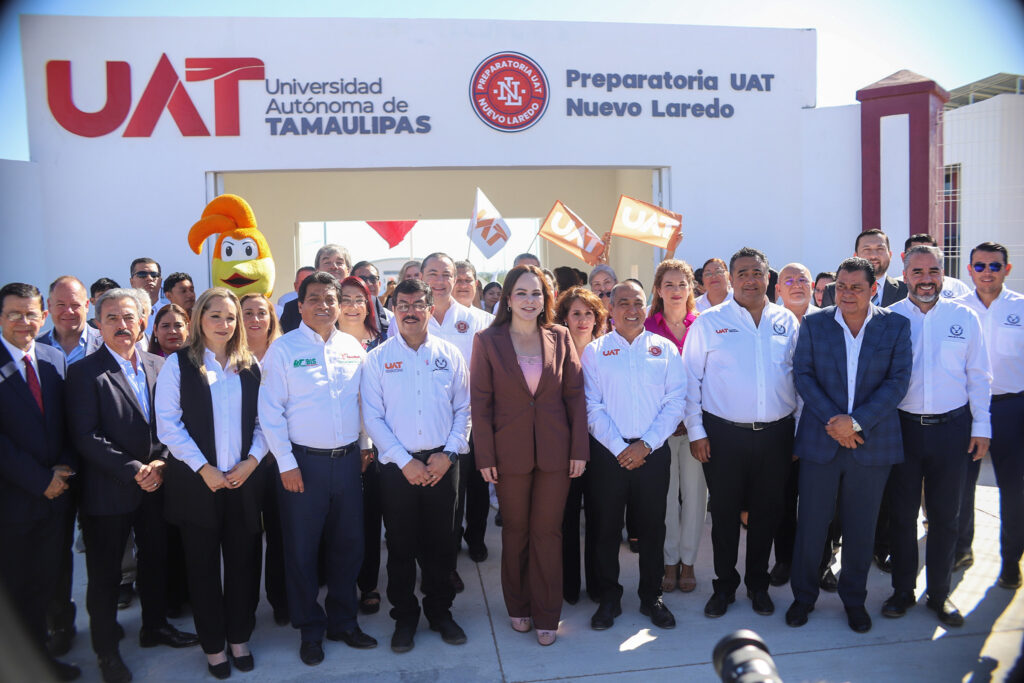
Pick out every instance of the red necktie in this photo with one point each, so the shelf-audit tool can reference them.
(33, 382)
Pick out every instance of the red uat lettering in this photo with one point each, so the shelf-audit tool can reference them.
(226, 73)
(89, 124)
(396, 365)
(611, 352)
(165, 91)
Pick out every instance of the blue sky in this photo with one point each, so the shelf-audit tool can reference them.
(952, 42)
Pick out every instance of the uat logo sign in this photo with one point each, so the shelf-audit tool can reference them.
(509, 92)
(163, 91)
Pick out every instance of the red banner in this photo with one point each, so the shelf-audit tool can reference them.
(393, 232)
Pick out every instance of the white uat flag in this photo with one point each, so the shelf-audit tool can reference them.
(487, 229)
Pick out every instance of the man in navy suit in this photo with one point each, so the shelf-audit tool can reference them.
(35, 465)
(67, 306)
(852, 368)
(114, 429)
(873, 246)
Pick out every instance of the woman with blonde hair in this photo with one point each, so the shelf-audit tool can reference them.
(206, 416)
(584, 315)
(530, 435)
(673, 310)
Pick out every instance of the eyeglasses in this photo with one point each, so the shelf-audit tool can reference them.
(345, 301)
(994, 266)
(369, 279)
(419, 307)
(18, 316)
(148, 274)
(789, 282)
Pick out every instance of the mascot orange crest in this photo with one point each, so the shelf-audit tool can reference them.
(241, 256)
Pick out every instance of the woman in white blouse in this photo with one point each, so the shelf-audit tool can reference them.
(206, 415)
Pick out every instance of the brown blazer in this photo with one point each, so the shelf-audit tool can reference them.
(515, 430)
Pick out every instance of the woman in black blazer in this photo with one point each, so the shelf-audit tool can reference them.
(206, 416)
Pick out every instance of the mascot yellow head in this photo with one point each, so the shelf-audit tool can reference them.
(241, 257)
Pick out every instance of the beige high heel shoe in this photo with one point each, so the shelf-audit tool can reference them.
(520, 624)
(545, 637)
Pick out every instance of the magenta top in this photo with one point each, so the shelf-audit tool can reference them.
(531, 367)
(656, 324)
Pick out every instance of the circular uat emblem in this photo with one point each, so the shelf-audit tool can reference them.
(509, 91)
(654, 350)
(462, 326)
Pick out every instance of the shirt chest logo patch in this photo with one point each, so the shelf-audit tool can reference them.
(956, 332)
(725, 330)
(305, 362)
(462, 327)
(654, 351)
(779, 329)
(349, 358)
(611, 352)
(395, 366)
(440, 364)
(1013, 320)
(947, 293)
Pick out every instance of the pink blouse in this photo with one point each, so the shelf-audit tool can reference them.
(531, 367)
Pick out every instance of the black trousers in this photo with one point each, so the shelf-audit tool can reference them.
(574, 504)
(330, 508)
(474, 502)
(29, 569)
(60, 613)
(105, 537)
(965, 527)
(372, 518)
(223, 610)
(273, 567)
(614, 490)
(1007, 450)
(858, 490)
(747, 471)
(935, 455)
(418, 522)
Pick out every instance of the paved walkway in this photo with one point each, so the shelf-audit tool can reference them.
(914, 648)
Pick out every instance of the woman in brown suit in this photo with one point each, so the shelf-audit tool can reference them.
(530, 434)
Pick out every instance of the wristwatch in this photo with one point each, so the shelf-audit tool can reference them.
(856, 426)
(647, 446)
(453, 457)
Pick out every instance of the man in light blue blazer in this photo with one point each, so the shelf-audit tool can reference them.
(852, 368)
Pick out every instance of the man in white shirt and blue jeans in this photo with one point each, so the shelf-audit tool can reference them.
(309, 413)
(945, 422)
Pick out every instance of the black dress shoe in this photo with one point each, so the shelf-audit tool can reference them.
(828, 581)
(796, 615)
(1009, 577)
(244, 663)
(59, 642)
(779, 575)
(354, 638)
(898, 604)
(477, 552)
(457, 583)
(963, 561)
(220, 671)
(947, 612)
(659, 614)
(166, 635)
(369, 602)
(311, 652)
(762, 602)
(451, 632)
(402, 639)
(604, 617)
(63, 671)
(718, 603)
(281, 617)
(113, 670)
(884, 562)
(125, 594)
(858, 619)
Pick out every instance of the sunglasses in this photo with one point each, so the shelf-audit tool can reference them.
(994, 266)
(147, 273)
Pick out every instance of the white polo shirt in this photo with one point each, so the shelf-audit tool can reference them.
(1003, 326)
